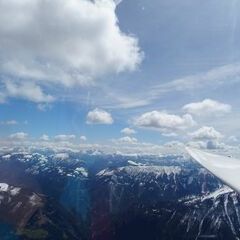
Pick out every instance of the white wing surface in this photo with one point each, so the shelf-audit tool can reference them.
(225, 168)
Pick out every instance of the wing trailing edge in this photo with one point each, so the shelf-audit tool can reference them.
(225, 168)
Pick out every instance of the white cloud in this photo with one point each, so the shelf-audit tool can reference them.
(9, 122)
(99, 116)
(61, 149)
(27, 90)
(117, 1)
(171, 134)
(232, 139)
(61, 42)
(206, 133)
(209, 144)
(128, 131)
(83, 138)
(213, 144)
(126, 140)
(206, 107)
(174, 144)
(164, 122)
(214, 77)
(18, 136)
(63, 137)
(44, 106)
(44, 137)
(61, 156)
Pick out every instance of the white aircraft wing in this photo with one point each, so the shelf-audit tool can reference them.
(225, 168)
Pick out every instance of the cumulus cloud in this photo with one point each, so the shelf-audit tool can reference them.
(209, 144)
(213, 144)
(206, 133)
(126, 140)
(44, 137)
(128, 131)
(83, 138)
(164, 122)
(61, 42)
(174, 144)
(99, 116)
(18, 136)
(63, 137)
(206, 107)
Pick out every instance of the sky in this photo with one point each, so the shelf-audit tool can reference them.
(120, 72)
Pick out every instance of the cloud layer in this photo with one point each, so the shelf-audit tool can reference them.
(63, 137)
(18, 136)
(126, 140)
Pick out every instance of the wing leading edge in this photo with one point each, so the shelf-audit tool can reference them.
(225, 168)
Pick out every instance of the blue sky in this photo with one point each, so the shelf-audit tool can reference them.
(132, 65)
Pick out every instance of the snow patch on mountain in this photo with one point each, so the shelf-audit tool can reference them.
(34, 199)
(4, 187)
(6, 157)
(134, 171)
(216, 194)
(156, 170)
(133, 163)
(15, 191)
(82, 171)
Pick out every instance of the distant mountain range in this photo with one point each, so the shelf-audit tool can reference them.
(71, 195)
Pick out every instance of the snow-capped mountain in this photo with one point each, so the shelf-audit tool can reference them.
(71, 195)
